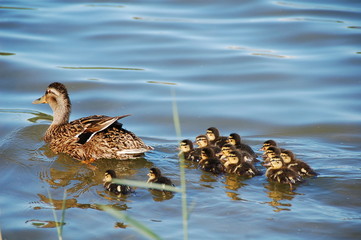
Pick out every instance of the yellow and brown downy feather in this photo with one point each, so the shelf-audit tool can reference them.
(92, 137)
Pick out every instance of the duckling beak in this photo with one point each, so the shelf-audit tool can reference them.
(40, 100)
(266, 164)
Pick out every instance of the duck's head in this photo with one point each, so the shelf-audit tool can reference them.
(154, 173)
(234, 138)
(287, 156)
(234, 157)
(57, 97)
(276, 162)
(109, 175)
(267, 144)
(227, 148)
(202, 141)
(272, 152)
(212, 133)
(207, 153)
(186, 145)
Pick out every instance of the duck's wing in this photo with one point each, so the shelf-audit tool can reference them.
(94, 124)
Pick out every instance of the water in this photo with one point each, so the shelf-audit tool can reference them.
(283, 70)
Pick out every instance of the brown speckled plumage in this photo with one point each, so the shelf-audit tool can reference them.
(92, 137)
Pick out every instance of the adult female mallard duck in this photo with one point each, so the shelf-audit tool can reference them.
(87, 138)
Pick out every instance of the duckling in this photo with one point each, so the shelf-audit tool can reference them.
(267, 144)
(202, 141)
(297, 165)
(209, 162)
(235, 139)
(278, 172)
(114, 187)
(89, 138)
(215, 138)
(236, 164)
(271, 152)
(225, 151)
(187, 151)
(155, 176)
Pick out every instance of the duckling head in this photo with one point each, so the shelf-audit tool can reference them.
(186, 145)
(272, 152)
(207, 153)
(234, 139)
(202, 141)
(153, 174)
(212, 133)
(267, 144)
(276, 162)
(234, 157)
(109, 175)
(227, 148)
(287, 156)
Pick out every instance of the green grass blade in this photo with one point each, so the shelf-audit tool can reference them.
(147, 185)
(141, 228)
(177, 127)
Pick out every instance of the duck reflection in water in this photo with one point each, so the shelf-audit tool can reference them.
(278, 194)
(232, 184)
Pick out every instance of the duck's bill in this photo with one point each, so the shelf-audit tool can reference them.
(40, 100)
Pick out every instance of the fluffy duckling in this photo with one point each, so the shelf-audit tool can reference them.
(188, 152)
(114, 187)
(202, 141)
(209, 162)
(226, 150)
(270, 153)
(267, 144)
(236, 164)
(297, 165)
(88, 138)
(278, 172)
(235, 139)
(155, 176)
(214, 137)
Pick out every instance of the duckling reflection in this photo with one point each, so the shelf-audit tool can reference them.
(232, 184)
(280, 196)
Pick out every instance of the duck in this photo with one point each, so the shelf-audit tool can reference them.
(89, 138)
(267, 144)
(214, 137)
(236, 164)
(271, 152)
(297, 165)
(155, 176)
(115, 188)
(225, 151)
(235, 139)
(187, 151)
(278, 172)
(209, 161)
(202, 141)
